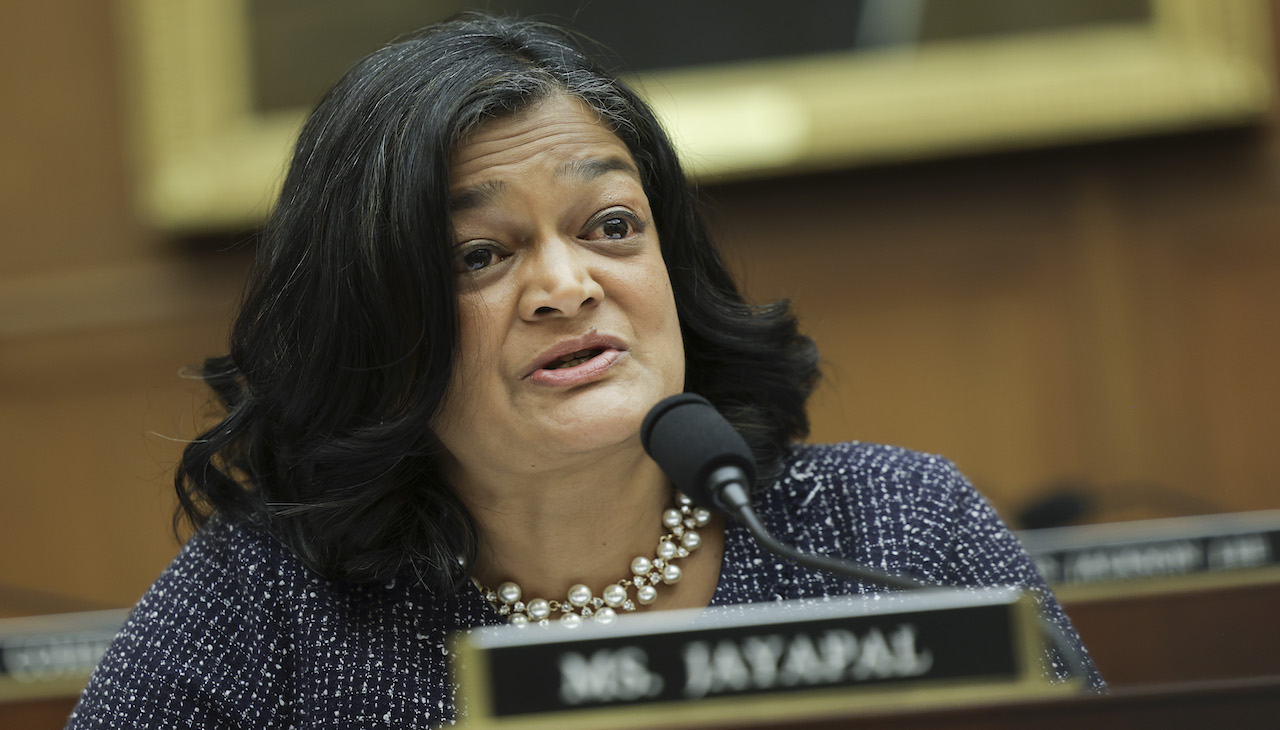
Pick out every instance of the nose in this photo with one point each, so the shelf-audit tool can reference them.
(559, 282)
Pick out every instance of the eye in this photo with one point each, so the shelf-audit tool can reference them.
(476, 258)
(614, 225)
(615, 228)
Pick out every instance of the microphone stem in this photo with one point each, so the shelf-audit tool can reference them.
(733, 499)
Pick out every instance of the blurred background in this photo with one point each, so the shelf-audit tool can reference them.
(1076, 300)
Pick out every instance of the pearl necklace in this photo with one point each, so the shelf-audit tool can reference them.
(646, 573)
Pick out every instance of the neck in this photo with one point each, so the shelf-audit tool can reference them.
(554, 529)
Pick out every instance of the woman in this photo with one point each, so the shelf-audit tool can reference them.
(484, 268)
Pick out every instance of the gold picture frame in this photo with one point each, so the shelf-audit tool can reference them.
(205, 159)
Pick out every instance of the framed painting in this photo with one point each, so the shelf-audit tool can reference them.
(219, 88)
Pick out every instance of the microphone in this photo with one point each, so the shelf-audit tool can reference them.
(710, 462)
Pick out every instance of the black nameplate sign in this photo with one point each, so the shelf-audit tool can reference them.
(53, 655)
(942, 637)
(1164, 548)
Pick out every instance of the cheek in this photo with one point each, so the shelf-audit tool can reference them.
(477, 328)
(476, 347)
(455, 422)
(665, 293)
(664, 316)
(468, 335)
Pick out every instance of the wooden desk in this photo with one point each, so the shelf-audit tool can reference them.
(45, 714)
(1240, 704)
(1181, 635)
(1173, 657)
(1237, 704)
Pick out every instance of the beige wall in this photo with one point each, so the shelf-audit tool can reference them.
(97, 317)
(1108, 314)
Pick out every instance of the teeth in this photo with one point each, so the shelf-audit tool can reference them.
(572, 360)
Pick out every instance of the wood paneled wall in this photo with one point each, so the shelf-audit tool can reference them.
(1108, 314)
(98, 315)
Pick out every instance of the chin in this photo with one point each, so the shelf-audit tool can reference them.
(603, 422)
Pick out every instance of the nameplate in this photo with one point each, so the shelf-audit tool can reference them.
(53, 655)
(1069, 556)
(728, 660)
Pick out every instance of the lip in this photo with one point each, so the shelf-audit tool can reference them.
(611, 348)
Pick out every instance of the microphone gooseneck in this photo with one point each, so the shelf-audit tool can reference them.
(710, 462)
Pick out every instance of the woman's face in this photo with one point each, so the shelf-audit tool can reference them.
(569, 331)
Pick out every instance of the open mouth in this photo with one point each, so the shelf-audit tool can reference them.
(573, 359)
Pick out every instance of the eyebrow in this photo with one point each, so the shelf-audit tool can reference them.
(477, 196)
(581, 170)
(590, 169)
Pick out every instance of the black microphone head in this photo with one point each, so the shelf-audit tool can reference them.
(689, 439)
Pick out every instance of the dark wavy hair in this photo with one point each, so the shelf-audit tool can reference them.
(347, 334)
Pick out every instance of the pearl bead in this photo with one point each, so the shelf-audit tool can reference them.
(539, 609)
(579, 595)
(509, 592)
(647, 594)
(581, 604)
(666, 550)
(614, 595)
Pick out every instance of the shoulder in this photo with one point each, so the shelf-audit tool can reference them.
(240, 575)
(227, 554)
(205, 625)
(904, 511)
(877, 504)
(244, 587)
(238, 632)
(873, 475)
